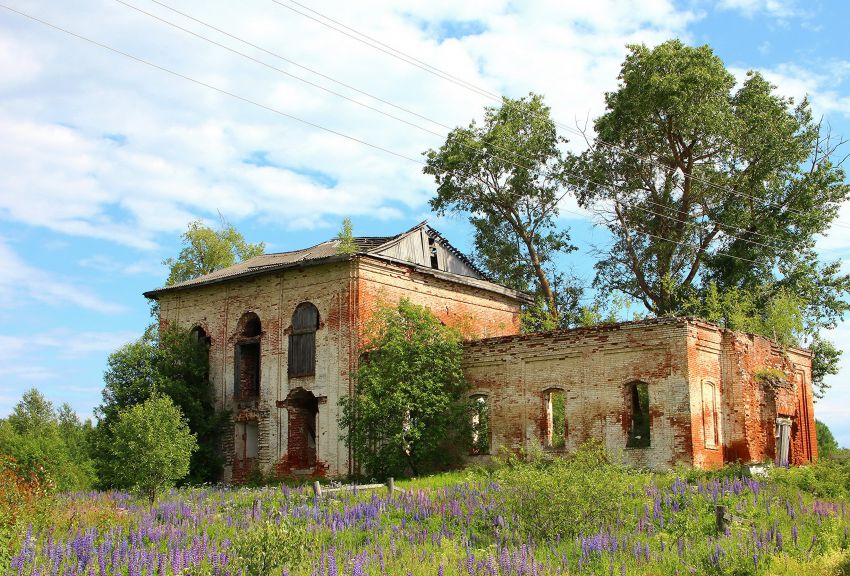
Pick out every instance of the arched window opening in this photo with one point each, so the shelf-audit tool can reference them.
(480, 424)
(303, 409)
(302, 340)
(246, 364)
(555, 407)
(637, 398)
(198, 334)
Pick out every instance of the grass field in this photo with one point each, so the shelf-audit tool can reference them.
(585, 516)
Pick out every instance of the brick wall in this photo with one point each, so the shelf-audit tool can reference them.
(706, 405)
(593, 367)
(345, 293)
(750, 405)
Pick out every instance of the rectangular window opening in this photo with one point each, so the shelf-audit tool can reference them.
(247, 371)
(556, 419)
(639, 430)
(709, 415)
(480, 425)
(432, 250)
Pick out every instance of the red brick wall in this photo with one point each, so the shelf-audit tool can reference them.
(593, 366)
(706, 405)
(475, 311)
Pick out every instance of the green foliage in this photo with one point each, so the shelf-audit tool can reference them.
(826, 479)
(715, 192)
(151, 446)
(346, 238)
(271, 546)
(51, 445)
(409, 412)
(507, 176)
(206, 250)
(566, 496)
(25, 500)
(825, 358)
(174, 363)
(768, 374)
(827, 444)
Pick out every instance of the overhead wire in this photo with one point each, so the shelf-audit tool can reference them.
(265, 107)
(334, 93)
(394, 52)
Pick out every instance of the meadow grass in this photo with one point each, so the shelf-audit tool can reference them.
(579, 516)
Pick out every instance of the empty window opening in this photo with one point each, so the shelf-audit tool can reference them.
(246, 440)
(709, 415)
(303, 410)
(246, 362)
(432, 250)
(302, 340)
(198, 334)
(480, 424)
(783, 441)
(555, 407)
(637, 396)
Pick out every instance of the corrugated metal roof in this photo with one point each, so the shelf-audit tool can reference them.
(320, 253)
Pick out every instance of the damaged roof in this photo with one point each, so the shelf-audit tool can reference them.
(421, 247)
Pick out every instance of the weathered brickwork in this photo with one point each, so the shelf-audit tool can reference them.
(706, 402)
(345, 294)
(656, 393)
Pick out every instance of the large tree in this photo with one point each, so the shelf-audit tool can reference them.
(507, 175)
(170, 362)
(208, 249)
(709, 184)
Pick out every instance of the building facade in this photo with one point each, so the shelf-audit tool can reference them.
(284, 338)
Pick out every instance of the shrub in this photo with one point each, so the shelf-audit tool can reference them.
(565, 496)
(151, 446)
(409, 411)
(24, 501)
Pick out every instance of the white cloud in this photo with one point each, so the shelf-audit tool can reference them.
(774, 8)
(21, 282)
(110, 149)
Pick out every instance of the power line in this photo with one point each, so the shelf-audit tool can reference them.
(211, 87)
(276, 69)
(398, 54)
(265, 107)
(294, 63)
(206, 39)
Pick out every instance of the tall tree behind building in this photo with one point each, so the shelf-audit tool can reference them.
(715, 193)
(207, 249)
(507, 176)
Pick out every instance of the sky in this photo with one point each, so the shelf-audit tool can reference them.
(105, 159)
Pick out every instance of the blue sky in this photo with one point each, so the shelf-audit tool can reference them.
(103, 161)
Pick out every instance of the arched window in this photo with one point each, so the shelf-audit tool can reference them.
(637, 405)
(198, 334)
(302, 341)
(480, 424)
(555, 406)
(246, 361)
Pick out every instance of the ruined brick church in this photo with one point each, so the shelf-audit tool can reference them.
(284, 340)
